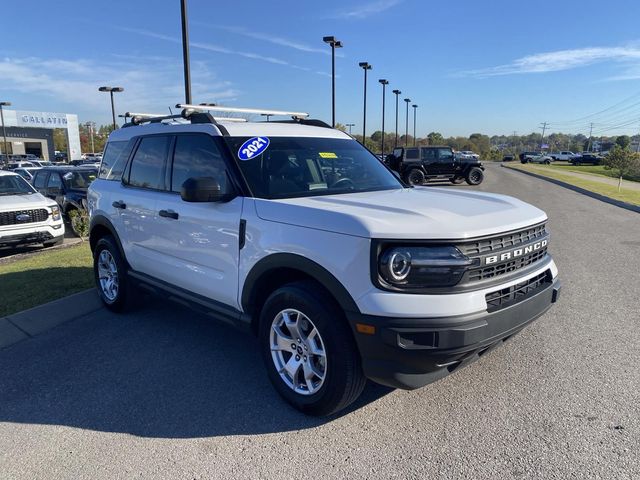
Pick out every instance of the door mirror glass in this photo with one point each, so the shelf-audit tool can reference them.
(203, 189)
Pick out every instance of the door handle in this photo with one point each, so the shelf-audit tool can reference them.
(119, 204)
(168, 214)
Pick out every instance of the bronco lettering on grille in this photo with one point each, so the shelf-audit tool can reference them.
(518, 252)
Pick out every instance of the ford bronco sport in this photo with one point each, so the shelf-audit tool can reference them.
(295, 231)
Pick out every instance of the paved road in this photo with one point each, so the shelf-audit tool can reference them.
(165, 393)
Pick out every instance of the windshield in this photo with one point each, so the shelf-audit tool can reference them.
(80, 179)
(301, 167)
(14, 185)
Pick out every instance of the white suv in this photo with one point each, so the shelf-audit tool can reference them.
(25, 215)
(295, 231)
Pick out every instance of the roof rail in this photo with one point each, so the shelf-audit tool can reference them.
(215, 108)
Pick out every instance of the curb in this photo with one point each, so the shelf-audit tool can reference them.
(597, 196)
(34, 321)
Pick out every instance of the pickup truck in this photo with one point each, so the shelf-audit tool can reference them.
(566, 156)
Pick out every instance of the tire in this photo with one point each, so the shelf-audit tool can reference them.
(457, 180)
(108, 260)
(475, 176)
(415, 177)
(335, 373)
(54, 242)
(547, 162)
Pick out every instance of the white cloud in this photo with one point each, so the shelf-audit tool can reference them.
(558, 61)
(149, 85)
(366, 10)
(274, 39)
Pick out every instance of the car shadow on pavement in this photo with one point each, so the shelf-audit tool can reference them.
(161, 370)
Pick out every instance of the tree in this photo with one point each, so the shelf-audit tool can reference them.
(340, 126)
(435, 138)
(624, 161)
(623, 141)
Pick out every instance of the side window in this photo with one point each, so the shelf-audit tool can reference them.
(445, 155)
(54, 181)
(197, 156)
(114, 160)
(428, 154)
(38, 182)
(147, 165)
(412, 154)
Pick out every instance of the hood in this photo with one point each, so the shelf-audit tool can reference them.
(24, 202)
(410, 213)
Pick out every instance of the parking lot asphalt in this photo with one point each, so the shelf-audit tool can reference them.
(164, 392)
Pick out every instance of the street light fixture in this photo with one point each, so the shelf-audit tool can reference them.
(111, 90)
(396, 92)
(334, 44)
(4, 131)
(406, 124)
(384, 83)
(350, 125)
(415, 109)
(365, 66)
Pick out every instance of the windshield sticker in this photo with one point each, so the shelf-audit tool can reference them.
(253, 147)
(327, 155)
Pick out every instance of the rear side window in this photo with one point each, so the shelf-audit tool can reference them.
(54, 181)
(147, 166)
(114, 160)
(412, 154)
(38, 182)
(197, 156)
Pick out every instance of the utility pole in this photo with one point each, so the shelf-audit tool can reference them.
(406, 124)
(544, 128)
(185, 51)
(396, 93)
(415, 109)
(333, 43)
(365, 66)
(590, 132)
(384, 83)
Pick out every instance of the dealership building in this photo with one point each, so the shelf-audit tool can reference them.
(32, 132)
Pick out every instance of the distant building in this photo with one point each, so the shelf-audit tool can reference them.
(32, 132)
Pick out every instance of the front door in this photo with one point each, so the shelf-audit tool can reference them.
(446, 163)
(199, 240)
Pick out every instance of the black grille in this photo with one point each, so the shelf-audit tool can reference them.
(37, 215)
(503, 241)
(516, 293)
(495, 270)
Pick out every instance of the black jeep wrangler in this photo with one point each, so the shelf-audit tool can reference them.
(419, 164)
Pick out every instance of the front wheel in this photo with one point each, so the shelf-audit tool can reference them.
(475, 176)
(309, 351)
(415, 177)
(547, 162)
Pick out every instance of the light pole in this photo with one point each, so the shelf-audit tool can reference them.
(406, 125)
(185, 51)
(396, 92)
(4, 131)
(384, 84)
(90, 126)
(111, 90)
(365, 66)
(415, 109)
(350, 125)
(334, 44)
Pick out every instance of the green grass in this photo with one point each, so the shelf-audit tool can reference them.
(44, 276)
(611, 191)
(592, 169)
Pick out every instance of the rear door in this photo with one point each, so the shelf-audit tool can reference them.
(55, 188)
(429, 160)
(40, 181)
(143, 183)
(198, 241)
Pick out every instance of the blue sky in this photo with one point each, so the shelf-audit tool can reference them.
(471, 66)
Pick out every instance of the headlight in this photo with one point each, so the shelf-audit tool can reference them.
(414, 267)
(55, 213)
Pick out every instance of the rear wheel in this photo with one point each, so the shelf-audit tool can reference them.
(308, 350)
(110, 273)
(475, 176)
(415, 177)
(547, 162)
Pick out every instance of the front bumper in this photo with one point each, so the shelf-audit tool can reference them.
(409, 353)
(29, 233)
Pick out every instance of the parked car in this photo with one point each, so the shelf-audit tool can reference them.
(508, 158)
(26, 172)
(587, 157)
(299, 233)
(525, 156)
(419, 164)
(66, 185)
(61, 156)
(546, 159)
(26, 216)
(565, 156)
(467, 155)
(22, 164)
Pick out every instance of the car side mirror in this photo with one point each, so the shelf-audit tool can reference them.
(203, 189)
